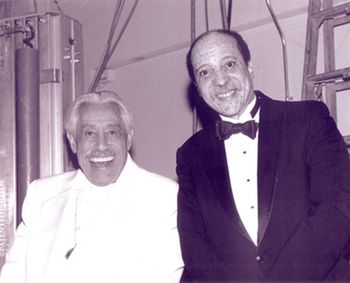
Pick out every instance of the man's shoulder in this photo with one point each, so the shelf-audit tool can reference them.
(149, 187)
(296, 109)
(306, 108)
(136, 175)
(201, 137)
(156, 179)
(154, 176)
(50, 186)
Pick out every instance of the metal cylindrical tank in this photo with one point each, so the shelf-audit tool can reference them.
(27, 81)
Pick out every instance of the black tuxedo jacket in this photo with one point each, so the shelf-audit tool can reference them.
(303, 201)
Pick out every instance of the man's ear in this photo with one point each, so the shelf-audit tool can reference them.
(250, 68)
(196, 88)
(129, 138)
(72, 142)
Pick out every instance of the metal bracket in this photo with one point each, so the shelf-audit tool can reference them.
(50, 76)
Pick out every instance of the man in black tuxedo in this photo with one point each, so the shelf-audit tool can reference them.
(271, 202)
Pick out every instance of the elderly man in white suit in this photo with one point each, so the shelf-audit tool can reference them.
(109, 221)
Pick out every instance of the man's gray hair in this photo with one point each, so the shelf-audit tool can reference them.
(99, 97)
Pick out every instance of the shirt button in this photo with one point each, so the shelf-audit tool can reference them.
(259, 259)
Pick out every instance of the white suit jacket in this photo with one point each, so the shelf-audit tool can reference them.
(131, 238)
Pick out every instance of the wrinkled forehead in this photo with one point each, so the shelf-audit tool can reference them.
(90, 111)
(214, 45)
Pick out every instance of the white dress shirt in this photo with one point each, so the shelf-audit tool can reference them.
(242, 159)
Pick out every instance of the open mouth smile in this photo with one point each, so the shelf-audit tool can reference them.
(226, 95)
(101, 159)
(101, 162)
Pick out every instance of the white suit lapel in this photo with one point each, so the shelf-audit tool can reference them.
(64, 234)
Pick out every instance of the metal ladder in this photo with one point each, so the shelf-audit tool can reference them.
(324, 86)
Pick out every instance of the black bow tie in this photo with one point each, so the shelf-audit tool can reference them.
(225, 129)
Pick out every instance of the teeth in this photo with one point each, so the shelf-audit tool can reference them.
(227, 94)
(101, 159)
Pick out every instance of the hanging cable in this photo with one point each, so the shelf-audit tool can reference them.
(223, 14)
(8, 32)
(119, 7)
(284, 49)
(229, 14)
(206, 15)
(104, 59)
(110, 48)
(123, 28)
(193, 20)
(193, 37)
(35, 6)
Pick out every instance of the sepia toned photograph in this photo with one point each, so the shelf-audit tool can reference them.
(174, 141)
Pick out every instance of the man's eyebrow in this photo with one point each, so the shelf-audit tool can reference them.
(114, 124)
(228, 57)
(87, 126)
(201, 67)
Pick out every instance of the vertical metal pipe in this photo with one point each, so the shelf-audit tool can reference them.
(27, 121)
(193, 37)
(284, 50)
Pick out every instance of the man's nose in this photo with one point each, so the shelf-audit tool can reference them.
(220, 78)
(101, 142)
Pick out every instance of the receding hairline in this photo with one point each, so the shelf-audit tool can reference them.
(237, 39)
(207, 36)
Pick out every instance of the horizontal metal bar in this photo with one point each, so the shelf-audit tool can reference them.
(332, 12)
(332, 75)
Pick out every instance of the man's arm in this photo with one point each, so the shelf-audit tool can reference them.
(197, 251)
(317, 243)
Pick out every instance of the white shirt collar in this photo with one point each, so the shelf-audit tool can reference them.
(81, 182)
(245, 115)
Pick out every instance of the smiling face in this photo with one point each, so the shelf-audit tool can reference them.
(101, 142)
(222, 77)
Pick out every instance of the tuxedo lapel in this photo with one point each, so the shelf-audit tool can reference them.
(215, 163)
(270, 133)
(214, 159)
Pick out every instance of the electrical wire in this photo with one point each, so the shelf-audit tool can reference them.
(118, 9)
(193, 37)
(35, 6)
(103, 61)
(229, 14)
(193, 20)
(206, 9)
(30, 34)
(13, 31)
(223, 14)
(206, 15)
(110, 48)
(123, 28)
